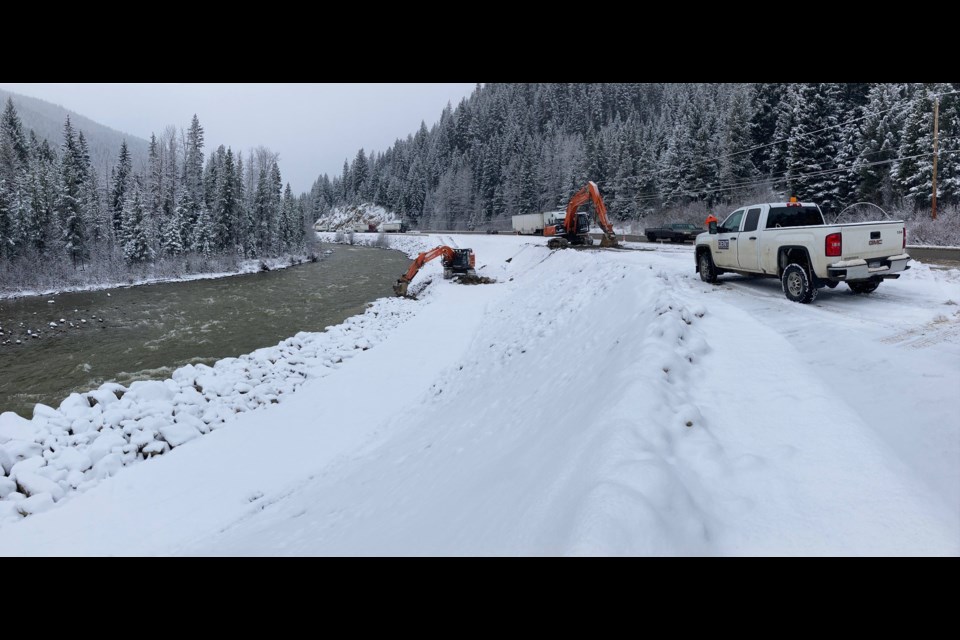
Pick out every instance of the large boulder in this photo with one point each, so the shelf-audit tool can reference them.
(14, 427)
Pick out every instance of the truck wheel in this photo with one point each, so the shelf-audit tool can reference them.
(708, 272)
(868, 286)
(797, 285)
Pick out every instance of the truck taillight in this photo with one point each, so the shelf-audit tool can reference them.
(834, 246)
(904, 238)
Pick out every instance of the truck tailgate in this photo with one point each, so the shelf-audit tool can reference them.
(871, 239)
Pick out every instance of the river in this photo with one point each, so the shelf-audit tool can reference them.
(145, 332)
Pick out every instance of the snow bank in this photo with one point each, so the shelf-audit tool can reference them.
(91, 436)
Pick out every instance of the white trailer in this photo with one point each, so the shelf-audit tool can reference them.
(534, 223)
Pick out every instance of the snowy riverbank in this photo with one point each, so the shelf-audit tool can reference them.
(244, 267)
(587, 403)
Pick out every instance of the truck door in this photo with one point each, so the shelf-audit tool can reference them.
(747, 245)
(727, 234)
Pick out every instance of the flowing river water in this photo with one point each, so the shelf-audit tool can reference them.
(145, 332)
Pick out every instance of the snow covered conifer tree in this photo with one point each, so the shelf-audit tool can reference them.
(879, 143)
(136, 240)
(121, 179)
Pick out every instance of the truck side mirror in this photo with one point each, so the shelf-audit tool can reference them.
(713, 226)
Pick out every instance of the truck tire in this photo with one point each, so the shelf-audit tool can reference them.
(797, 285)
(708, 272)
(867, 286)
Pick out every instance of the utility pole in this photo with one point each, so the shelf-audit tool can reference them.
(936, 129)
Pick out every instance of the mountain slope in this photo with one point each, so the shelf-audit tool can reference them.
(47, 119)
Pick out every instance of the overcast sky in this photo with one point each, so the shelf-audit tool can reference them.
(313, 127)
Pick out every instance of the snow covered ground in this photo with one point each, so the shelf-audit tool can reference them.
(344, 216)
(589, 402)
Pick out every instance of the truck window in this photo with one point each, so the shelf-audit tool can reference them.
(793, 217)
(753, 217)
(732, 223)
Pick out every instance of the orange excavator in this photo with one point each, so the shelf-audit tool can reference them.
(455, 261)
(575, 227)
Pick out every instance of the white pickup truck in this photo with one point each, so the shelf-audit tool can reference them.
(790, 241)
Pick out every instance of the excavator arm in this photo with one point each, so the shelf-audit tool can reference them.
(590, 192)
(400, 288)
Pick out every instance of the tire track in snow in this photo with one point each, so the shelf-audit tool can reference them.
(938, 330)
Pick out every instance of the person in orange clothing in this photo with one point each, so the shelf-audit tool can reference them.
(711, 218)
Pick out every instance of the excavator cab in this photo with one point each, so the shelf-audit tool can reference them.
(583, 223)
(461, 262)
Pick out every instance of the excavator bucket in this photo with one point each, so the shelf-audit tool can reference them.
(609, 240)
(400, 288)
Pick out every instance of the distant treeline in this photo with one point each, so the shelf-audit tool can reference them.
(520, 148)
(54, 206)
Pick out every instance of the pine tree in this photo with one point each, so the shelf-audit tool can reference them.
(154, 192)
(624, 202)
(765, 121)
(289, 228)
(121, 179)
(360, 175)
(261, 214)
(15, 159)
(914, 171)
(194, 198)
(647, 195)
(529, 193)
(274, 207)
(812, 147)
(736, 164)
(14, 151)
(846, 179)
(90, 201)
(244, 223)
(879, 144)
(203, 232)
(225, 207)
(135, 237)
(70, 197)
(171, 210)
(7, 213)
(415, 191)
